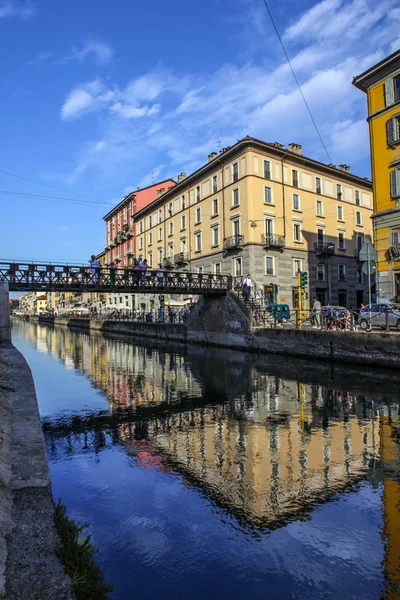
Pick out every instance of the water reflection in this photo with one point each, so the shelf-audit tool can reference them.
(264, 438)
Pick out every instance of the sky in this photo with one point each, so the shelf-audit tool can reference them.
(99, 97)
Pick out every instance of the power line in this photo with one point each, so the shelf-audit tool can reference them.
(296, 80)
(57, 198)
(45, 184)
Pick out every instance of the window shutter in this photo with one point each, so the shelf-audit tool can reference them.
(389, 92)
(398, 182)
(390, 131)
(394, 188)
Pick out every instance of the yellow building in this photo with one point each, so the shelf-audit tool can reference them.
(41, 304)
(382, 85)
(269, 211)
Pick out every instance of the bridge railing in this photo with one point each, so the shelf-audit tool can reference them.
(68, 277)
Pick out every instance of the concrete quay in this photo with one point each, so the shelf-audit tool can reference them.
(29, 567)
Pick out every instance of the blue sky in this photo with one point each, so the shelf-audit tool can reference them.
(98, 97)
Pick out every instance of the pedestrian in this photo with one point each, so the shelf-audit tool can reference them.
(246, 288)
(112, 268)
(143, 266)
(135, 272)
(184, 313)
(160, 276)
(317, 312)
(94, 269)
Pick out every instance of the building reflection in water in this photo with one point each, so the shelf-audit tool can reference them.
(264, 438)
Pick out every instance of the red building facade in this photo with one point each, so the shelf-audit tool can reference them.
(120, 226)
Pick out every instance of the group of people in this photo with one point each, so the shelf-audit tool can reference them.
(137, 270)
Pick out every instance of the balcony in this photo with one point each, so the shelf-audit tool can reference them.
(181, 258)
(168, 263)
(272, 241)
(393, 253)
(234, 241)
(324, 248)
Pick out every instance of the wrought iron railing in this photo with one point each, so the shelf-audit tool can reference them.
(324, 248)
(273, 241)
(25, 276)
(233, 241)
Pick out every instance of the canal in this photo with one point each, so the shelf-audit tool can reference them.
(209, 473)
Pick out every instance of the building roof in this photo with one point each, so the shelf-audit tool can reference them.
(280, 152)
(377, 72)
(142, 196)
(41, 298)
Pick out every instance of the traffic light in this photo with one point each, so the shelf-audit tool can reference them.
(303, 278)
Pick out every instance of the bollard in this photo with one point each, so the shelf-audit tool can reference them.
(5, 325)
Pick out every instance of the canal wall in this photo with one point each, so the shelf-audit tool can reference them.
(374, 349)
(29, 567)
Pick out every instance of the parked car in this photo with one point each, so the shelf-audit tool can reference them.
(376, 315)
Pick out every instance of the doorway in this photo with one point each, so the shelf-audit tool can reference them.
(359, 298)
(320, 293)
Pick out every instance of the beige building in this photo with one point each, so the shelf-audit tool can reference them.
(269, 211)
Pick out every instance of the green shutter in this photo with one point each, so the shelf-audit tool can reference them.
(390, 132)
(394, 188)
(389, 92)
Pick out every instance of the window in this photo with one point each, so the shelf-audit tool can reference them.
(392, 90)
(269, 265)
(236, 227)
(296, 202)
(183, 245)
(358, 217)
(267, 169)
(340, 213)
(342, 296)
(237, 267)
(358, 202)
(215, 236)
(318, 187)
(393, 130)
(395, 183)
(150, 239)
(341, 242)
(395, 237)
(215, 207)
(235, 197)
(141, 227)
(160, 256)
(267, 195)
(215, 184)
(339, 191)
(159, 216)
(200, 270)
(320, 208)
(183, 202)
(198, 215)
(235, 172)
(150, 221)
(321, 272)
(150, 258)
(217, 268)
(297, 232)
(359, 276)
(295, 178)
(269, 228)
(159, 234)
(170, 228)
(170, 208)
(297, 266)
(320, 236)
(198, 194)
(198, 242)
(140, 243)
(183, 222)
(341, 272)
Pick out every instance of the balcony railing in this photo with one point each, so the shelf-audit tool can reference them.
(273, 241)
(234, 241)
(324, 248)
(168, 263)
(181, 258)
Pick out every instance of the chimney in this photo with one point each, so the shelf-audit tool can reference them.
(344, 168)
(212, 156)
(277, 145)
(160, 192)
(138, 188)
(181, 177)
(296, 148)
(332, 166)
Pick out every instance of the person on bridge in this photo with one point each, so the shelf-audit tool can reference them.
(143, 266)
(94, 269)
(112, 269)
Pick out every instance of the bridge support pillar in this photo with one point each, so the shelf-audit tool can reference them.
(223, 314)
(5, 326)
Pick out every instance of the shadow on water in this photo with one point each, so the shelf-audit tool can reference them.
(264, 438)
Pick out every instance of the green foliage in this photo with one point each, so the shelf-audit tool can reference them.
(77, 555)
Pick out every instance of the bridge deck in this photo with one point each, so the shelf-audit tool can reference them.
(69, 278)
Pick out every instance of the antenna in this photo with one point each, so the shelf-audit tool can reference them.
(218, 142)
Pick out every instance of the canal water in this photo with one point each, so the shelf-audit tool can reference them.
(208, 473)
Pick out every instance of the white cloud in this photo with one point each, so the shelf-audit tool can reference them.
(14, 8)
(176, 119)
(102, 52)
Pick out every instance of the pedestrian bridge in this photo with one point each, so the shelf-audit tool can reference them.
(55, 277)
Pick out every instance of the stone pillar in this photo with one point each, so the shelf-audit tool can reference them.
(5, 327)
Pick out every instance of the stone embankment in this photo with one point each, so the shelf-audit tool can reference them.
(29, 567)
(225, 322)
